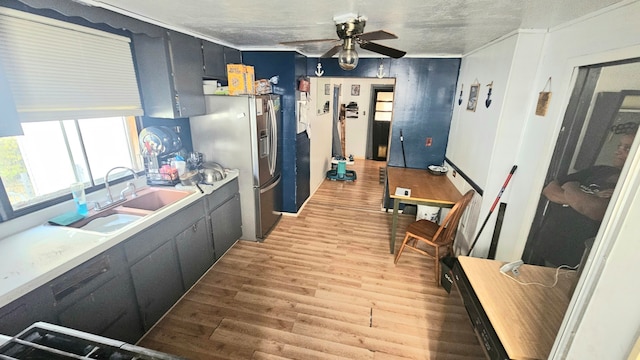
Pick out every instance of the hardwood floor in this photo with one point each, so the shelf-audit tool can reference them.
(321, 286)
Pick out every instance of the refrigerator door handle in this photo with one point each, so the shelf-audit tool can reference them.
(273, 136)
(271, 186)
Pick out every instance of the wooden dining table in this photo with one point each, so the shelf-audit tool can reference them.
(423, 188)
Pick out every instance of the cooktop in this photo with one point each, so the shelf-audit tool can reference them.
(52, 342)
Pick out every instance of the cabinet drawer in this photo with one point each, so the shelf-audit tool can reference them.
(80, 281)
(224, 193)
(147, 241)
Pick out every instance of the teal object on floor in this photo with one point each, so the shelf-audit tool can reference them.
(342, 169)
(340, 172)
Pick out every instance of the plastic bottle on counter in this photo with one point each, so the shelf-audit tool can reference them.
(179, 164)
(79, 198)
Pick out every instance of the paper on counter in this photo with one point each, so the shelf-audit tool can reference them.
(403, 191)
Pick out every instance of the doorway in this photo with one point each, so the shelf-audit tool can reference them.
(380, 121)
(601, 118)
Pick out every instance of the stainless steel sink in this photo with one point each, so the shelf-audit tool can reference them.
(147, 202)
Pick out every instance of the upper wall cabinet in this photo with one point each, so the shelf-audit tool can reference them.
(232, 56)
(216, 57)
(170, 72)
(213, 57)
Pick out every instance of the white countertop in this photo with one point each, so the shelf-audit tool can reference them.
(33, 257)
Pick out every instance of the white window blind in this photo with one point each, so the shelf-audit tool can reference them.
(59, 71)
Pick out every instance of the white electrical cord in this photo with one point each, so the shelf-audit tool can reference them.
(555, 282)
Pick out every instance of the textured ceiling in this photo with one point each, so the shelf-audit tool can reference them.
(424, 27)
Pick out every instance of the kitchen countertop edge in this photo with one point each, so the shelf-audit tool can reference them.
(14, 284)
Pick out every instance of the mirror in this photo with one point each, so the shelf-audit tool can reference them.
(598, 130)
(323, 96)
(613, 114)
(626, 120)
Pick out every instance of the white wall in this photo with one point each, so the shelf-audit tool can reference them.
(472, 134)
(356, 128)
(483, 143)
(321, 125)
(604, 313)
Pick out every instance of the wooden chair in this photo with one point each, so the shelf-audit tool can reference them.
(435, 236)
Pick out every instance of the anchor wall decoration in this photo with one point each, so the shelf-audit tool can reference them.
(380, 74)
(488, 101)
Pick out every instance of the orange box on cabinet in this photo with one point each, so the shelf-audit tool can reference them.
(240, 78)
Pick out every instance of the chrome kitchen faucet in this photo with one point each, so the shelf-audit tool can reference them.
(130, 187)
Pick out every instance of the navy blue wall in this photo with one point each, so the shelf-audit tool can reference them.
(424, 100)
(289, 66)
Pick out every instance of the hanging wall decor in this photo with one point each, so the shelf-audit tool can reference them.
(303, 84)
(351, 110)
(543, 99)
(319, 72)
(473, 96)
(460, 98)
(380, 74)
(355, 90)
(487, 102)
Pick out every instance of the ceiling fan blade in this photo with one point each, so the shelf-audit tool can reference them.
(377, 35)
(332, 51)
(381, 49)
(302, 42)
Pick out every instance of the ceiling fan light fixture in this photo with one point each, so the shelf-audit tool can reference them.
(348, 57)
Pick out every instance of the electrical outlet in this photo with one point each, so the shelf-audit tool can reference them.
(429, 141)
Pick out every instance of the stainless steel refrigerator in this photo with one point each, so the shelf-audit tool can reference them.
(241, 132)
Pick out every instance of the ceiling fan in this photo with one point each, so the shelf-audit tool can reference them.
(350, 30)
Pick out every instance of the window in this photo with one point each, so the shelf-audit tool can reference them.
(384, 106)
(75, 93)
(41, 164)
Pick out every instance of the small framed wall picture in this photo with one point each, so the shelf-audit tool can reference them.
(473, 97)
(544, 97)
(327, 89)
(355, 90)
